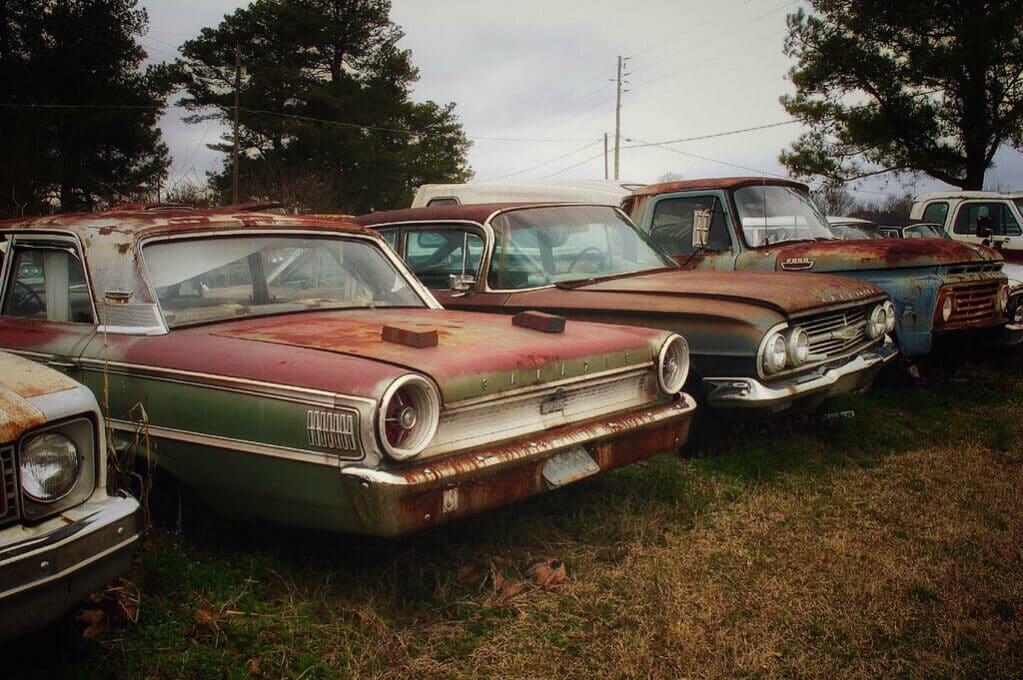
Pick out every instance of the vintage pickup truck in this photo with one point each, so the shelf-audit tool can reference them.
(291, 370)
(940, 288)
(764, 341)
(981, 217)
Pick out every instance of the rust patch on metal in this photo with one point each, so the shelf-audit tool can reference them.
(16, 416)
(29, 379)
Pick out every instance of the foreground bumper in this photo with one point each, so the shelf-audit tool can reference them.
(392, 503)
(46, 569)
(816, 386)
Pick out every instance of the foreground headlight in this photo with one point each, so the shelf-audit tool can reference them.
(775, 353)
(889, 313)
(797, 346)
(408, 416)
(50, 465)
(1002, 300)
(877, 323)
(673, 365)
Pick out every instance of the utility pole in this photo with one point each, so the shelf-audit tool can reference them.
(234, 155)
(605, 155)
(618, 112)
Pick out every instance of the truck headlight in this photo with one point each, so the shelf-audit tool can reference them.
(877, 322)
(408, 416)
(1002, 300)
(946, 309)
(50, 465)
(673, 364)
(775, 353)
(889, 312)
(797, 346)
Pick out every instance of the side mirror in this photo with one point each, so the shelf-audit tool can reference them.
(984, 229)
(461, 282)
(701, 227)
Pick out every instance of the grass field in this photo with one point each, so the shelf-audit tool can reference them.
(889, 544)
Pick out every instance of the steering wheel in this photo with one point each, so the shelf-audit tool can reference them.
(581, 253)
(25, 301)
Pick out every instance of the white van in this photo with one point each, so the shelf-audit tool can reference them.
(604, 191)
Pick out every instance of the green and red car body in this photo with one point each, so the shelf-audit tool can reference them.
(291, 370)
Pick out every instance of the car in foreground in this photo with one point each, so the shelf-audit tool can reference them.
(291, 370)
(765, 341)
(62, 536)
(940, 288)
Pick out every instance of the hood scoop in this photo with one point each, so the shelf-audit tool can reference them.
(538, 321)
(418, 337)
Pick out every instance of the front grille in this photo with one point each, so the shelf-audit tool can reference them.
(976, 268)
(835, 333)
(973, 303)
(9, 505)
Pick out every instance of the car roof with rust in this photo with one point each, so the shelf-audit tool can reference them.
(131, 222)
(714, 183)
(472, 212)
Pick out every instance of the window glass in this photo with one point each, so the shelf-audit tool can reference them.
(437, 255)
(924, 231)
(391, 236)
(539, 246)
(50, 284)
(772, 214)
(213, 279)
(442, 201)
(936, 212)
(672, 226)
(997, 216)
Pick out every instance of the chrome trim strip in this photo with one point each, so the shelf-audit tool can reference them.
(132, 330)
(235, 445)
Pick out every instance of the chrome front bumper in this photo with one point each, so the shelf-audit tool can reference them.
(815, 386)
(402, 500)
(45, 569)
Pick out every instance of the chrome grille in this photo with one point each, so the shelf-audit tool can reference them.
(835, 333)
(973, 302)
(9, 512)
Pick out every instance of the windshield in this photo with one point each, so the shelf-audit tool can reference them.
(540, 246)
(852, 232)
(231, 277)
(924, 231)
(1019, 203)
(772, 214)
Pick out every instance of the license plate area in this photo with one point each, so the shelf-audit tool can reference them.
(569, 466)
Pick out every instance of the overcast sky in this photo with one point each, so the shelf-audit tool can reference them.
(533, 85)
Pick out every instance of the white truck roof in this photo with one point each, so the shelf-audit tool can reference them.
(609, 192)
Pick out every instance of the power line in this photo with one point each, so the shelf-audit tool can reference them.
(791, 121)
(706, 158)
(553, 160)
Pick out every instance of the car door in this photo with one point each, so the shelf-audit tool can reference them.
(675, 220)
(47, 311)
(972, 216)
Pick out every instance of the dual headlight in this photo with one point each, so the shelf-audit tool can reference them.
(881, 320)
(56, 468)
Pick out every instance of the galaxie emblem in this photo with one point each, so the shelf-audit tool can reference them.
(797, 264)
(553, 404)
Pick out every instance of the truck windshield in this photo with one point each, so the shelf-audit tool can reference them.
(772, 214)
(541, 246)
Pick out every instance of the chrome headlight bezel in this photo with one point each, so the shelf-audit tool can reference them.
(418, 420)
(81, 434)
(797, 346)
(773, 353)
(889, 311)
(947, 307)
(674, 358)
(877, 322)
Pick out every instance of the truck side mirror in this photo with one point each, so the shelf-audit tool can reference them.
(984, 229)
(701, 227)
(461, 282)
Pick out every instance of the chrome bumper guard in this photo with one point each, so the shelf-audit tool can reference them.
(61, 561)
(403, 500)
(854, 375)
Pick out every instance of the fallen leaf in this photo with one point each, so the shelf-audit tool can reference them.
(548, 573)
(468, 574)
(95, 621)
(204, 616)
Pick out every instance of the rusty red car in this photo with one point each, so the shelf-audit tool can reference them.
(292, 370)
(764, 342)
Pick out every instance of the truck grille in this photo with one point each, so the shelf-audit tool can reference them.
(9, 512)
(973, 303)
(835, 333)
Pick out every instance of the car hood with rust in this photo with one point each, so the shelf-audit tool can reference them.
(781, 292)
(869, 254)
(21, 381)
(476, 355)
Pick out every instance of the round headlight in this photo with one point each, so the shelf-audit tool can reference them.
(49, 466)
(946, 309)
(673, 365)
(889, 313)
(775, 353)
(797, 346)
(408, 416)
(877, 323)
(1002, 300)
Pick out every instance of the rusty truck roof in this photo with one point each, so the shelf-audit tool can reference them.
(714, 183)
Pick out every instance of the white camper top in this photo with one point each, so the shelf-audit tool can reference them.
(605, 191)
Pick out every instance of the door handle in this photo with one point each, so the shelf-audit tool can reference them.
(60, 364)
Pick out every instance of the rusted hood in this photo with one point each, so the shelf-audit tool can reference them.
(782, 292)
(476, 354)
(840, 256)
(21, 380)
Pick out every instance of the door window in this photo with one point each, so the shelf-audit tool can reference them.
(996, 215)
(936, 212)
(438, 255)
(48, 283)
(675, 218)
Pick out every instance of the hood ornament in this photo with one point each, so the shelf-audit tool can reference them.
(797, 264)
